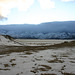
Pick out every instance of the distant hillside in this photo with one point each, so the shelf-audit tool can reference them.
(48, 30)
(6, 40)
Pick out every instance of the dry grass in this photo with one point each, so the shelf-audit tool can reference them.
(56, 60)
(8, 37)
(63, 67)
(41, 68)
(68, 74)
(28, 53)
(6, 65)
(10, 49)
(47, 67)
(4, 69)
(12, 60)
(13, 64)
(72, 61)
(48, 74)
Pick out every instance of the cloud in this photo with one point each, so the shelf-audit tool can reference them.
(45, 4)
(7, 5)
(22, 5)
(67, 0)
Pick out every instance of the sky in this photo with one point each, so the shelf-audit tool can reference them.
(36, 11)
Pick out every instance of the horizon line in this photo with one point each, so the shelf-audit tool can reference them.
(38, 23)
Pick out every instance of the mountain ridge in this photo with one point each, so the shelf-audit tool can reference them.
(64, 29)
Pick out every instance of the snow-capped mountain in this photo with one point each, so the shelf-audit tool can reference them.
(49, 30)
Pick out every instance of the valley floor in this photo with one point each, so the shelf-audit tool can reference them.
(40, 42)
(59, 60)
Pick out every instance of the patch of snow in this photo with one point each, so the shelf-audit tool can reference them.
(33, 64)
(7, 41)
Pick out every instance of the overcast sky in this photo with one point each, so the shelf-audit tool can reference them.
(36, 11)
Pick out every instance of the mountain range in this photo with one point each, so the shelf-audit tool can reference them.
(48, 30)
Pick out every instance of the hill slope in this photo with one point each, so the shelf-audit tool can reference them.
(6, 40)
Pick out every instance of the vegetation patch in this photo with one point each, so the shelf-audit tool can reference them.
(48, 74)
(68, 74)
(6, 65)
(72, 61)
(41, 68)
(4, 69)
(28, 53)
(13, 64)
(47, 67)
(12, 60)
(56, 60)
(10, 49)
